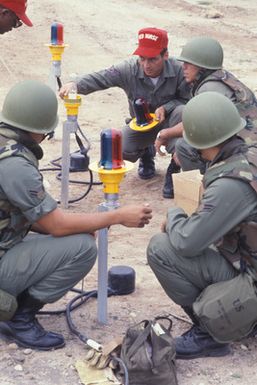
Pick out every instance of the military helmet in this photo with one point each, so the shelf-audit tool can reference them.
(209, 119)
(31, 106)
(203, 52)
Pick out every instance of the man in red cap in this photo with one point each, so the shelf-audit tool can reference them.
(157, 79)
(12, 15)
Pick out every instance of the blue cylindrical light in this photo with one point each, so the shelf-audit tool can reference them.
(111, 149)
(57, 34)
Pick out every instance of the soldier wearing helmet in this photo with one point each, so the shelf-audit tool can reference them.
(212, 244)
(36, 269)
(13, 15)
(202, 59)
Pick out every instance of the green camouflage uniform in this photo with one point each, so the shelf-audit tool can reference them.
(47, 266)
(202, 249)
(171, 92)
(227, 84)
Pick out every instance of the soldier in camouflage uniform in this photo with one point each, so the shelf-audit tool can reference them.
(209, 246)
(40, 268)
(12, 15)
(154, 77)
(203, 58)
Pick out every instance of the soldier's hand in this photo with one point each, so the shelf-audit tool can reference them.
(160, 114)
(66, 89)
(134, 215)
(161, 142)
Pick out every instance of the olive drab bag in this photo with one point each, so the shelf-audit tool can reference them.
(228, 310)
(148, 353)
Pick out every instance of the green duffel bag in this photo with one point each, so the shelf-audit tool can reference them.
(228, 310)
(148, 353)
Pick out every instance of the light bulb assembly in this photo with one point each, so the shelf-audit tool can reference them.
(144, 120)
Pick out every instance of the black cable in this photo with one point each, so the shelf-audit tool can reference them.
(70, 307)
(125, 370)
(81, 298)
(58, 167)
(54, 162)
(59, 177)
(83, 150)
(86, 193)
(90, 184)
(81, 336)
(63, 311)
(59, 82)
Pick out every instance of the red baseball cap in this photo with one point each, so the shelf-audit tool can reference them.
(151, 41)
(19, 8)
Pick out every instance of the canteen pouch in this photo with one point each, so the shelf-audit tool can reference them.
(228, 310)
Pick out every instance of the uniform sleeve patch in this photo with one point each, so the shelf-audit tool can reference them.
(38, 194)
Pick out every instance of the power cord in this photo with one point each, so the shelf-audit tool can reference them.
(81, 297)
(57, 167)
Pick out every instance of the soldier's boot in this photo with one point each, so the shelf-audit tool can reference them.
(25, 330)
(168, 191)
(196, 343)
(146, 167)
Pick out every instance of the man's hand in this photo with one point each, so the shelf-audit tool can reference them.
(66, 89)
(166, 134)
(134, 215)
(160, 114)
(161, 140)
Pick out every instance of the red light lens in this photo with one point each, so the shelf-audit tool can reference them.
(142, 113)
(57, 34)
(111, 149)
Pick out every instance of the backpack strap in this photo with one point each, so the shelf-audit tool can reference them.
(142, 337)
(166, 318)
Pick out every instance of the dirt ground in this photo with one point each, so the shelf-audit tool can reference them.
(100, 33)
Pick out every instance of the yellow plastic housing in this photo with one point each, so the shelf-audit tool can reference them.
(56, 51)
(72, 105)
(133, 124)
(111, 178)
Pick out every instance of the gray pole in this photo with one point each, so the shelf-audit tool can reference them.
(111, 203)
(69, 126)
(55, 73)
